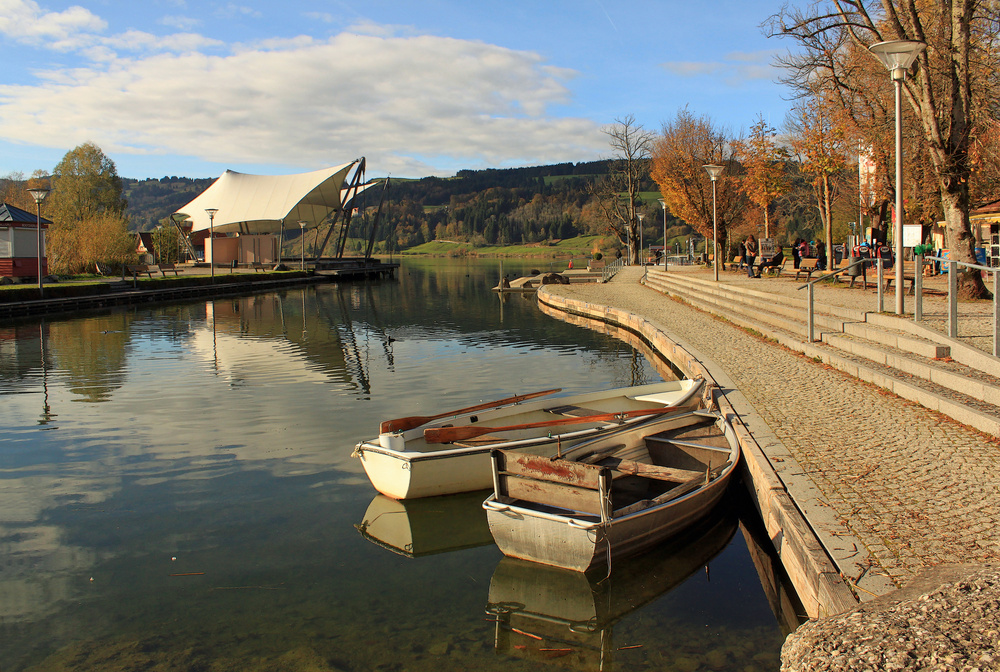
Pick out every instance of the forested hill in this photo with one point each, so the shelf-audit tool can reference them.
(484, 207)
(152, 200)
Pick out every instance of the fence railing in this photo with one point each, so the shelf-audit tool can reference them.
(918, 291)
(810, 294)
(918, 308)
(611, 269)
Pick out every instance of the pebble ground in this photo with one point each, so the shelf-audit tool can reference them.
(916, 488)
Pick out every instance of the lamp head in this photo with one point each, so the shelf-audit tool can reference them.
(897, 55)
(211, 212)
(713, 170)
(302, 224)
(39, 193)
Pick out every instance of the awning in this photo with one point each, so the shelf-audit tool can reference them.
(259, 203)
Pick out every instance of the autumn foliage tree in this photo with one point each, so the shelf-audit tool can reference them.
(949, 90)
(87, 207)
(820, 146)
(688, 143)
(763, 160)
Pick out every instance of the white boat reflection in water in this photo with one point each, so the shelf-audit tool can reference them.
(426, 526)
(568, 617)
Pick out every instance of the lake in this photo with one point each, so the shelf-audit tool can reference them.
(178, 493)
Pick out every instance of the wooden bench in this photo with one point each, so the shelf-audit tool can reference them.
(807, 266)
(737, 263)
(257, 266)
(138, 269)
(168, 267)
(774, 271)
(890, 277)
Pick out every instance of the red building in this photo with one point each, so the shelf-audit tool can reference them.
(19, 243)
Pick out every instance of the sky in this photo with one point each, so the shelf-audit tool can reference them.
(419, 87)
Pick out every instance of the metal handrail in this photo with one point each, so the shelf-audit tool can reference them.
(611, 269)
(953, 295)
(837, 272)
(809, 286)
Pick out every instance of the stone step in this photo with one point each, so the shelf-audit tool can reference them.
(898, 340)
(952, 376)
(762, 308)
(888, 351)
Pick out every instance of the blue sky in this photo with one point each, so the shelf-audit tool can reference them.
(419, 87)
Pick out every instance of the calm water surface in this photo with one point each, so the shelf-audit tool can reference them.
(178, 493)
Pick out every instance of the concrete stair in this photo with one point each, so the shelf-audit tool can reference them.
(905, 358)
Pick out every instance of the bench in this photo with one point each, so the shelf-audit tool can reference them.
(889, 278)
(807, 266)
(138, 269)
(168, 267)
(774, 271)
(257, 266)
(737, 263)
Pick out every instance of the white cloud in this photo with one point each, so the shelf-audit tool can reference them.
(405, 103)
(737, 68)
(179, 22)
(24, 21)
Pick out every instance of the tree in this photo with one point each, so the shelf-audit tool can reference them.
(617, 195)
(820, 146)
(764, 162)
(687, 144)
(84, 183)
(949, 92)
(87, 207)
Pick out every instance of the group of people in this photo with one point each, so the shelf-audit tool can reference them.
(800, 250)
(750, 249)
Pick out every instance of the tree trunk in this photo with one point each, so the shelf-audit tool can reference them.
(961, 243)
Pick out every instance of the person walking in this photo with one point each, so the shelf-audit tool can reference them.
(751, 256)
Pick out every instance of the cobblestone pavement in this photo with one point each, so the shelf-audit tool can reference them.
(916, 488)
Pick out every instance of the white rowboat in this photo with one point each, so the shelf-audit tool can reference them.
(404, 465)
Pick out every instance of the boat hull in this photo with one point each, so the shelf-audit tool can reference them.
(404, 466)
(570, 543)
(552, 518)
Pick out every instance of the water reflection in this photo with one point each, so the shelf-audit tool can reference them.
(419, 527)
(552, 614)
(194, 461)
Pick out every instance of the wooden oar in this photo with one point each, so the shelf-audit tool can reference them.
(403, 424)
(452, 434)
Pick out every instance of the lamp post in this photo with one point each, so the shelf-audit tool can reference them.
(898, 56)
(39, 194)
(302, 241)
(211, 236)
(713, 172)
(641, 262)
(663, 203)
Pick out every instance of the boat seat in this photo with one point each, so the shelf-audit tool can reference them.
(633, 468)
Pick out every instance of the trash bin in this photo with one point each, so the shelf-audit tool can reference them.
(855, 271)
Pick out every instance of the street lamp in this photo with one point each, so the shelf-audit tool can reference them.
(713, 172)
(39, 194)
(639, 215)
(211, 236)
(302, 242)
(664, 204)
(898, 56)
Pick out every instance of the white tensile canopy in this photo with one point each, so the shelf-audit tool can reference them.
(260, 203)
